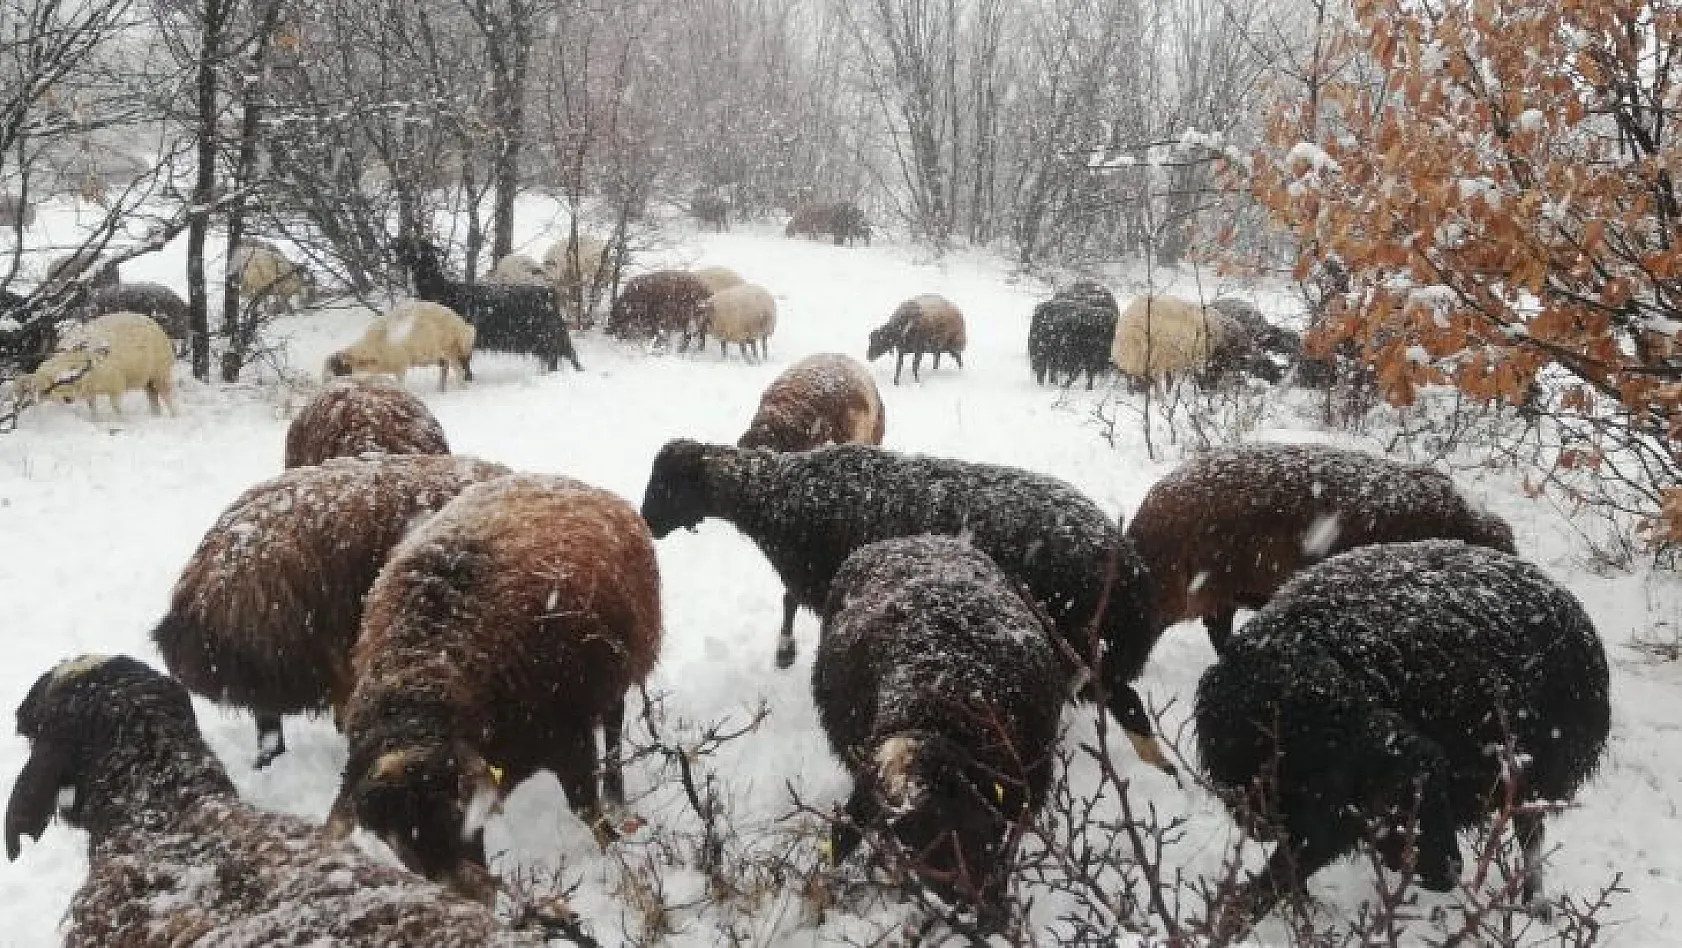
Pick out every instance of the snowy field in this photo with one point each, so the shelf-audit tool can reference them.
(98, 519)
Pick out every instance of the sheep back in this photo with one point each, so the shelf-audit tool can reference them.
(265, 611)
(1158, 336)
(348, 418)
(1405, 662)
(821, 399)
(267, 273)
(743, 313)
(719, 278)
(654, 304)
(1228, 527)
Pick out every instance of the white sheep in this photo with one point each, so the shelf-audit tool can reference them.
(719, 278)
(572, 275)
(745, 315)
(1159, 336)
(109, 355)
(517, 269)
(413, 332)
(266, 274)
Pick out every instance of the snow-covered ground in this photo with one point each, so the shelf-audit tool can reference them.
(98, 518)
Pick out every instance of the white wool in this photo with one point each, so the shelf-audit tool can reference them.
(1158, 336)
(412, 333)
(110, 355)
(745, 313)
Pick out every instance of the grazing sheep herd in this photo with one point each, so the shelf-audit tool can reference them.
(469, 626)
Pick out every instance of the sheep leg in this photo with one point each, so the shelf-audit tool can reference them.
(1528, 825)
(443, 374)
(152, 398)
(271, 740)
(899, 363)
(785, 635)
(916, 365)
(1286, 867)
(578, 767)
(613, 774)
(958, 357)
(937, 359)
(466, 363)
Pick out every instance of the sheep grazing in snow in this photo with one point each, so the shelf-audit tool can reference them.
(808, 511)
(266, 610)
(1275, 348)
(498, 636)
(1376, 684)
(413, 332)
(504, 318)
(939, 687)
(658, 303)
(710, 209)
(572, 271)
(159, 302)
(927, 323)
(719, 278)
(842, 222)
(826, 398)
(744, 314)
(352, 417)
(1071, 333)
(1230, 526)
(517, 269)
(1160, 336)
(269, 277)
(109, 356)
(175, 858)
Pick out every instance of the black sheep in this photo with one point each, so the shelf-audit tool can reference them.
(1071, 333)
(507, 318)
(938, 686)
(175, 857)
(809, 511)
(1390, 671)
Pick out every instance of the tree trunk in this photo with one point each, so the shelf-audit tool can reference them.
(204, 188)
(242, 334)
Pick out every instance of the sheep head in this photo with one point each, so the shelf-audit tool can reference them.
(677, 494)
(80, 717)
(951, 816)
(429, 804)
(881, 340)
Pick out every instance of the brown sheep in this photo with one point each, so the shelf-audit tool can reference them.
(927, 323)
(826, 398)
(266, 610)
(350, 417)
(1230, 526)
(497, 637)
(842, 222)
(657, 303)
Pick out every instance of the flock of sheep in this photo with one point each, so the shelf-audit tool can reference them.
(468, 626)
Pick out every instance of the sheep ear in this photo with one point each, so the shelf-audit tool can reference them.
(391, 765)
(34, 796)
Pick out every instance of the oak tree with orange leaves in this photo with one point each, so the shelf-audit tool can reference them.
(1499, 184)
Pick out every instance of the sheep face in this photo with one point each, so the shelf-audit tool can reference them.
(677, 492)
(950, 817)
(881, 340)
(429, 805)
(337, 365)
(76, 713)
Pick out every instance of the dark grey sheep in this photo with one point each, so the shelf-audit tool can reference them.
(175, 858)
(1389, 672)
(810, 510)
(525, 319)
(940, 689)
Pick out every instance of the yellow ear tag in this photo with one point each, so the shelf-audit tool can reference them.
(496, 775)
(827, 848)
(999, 791)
